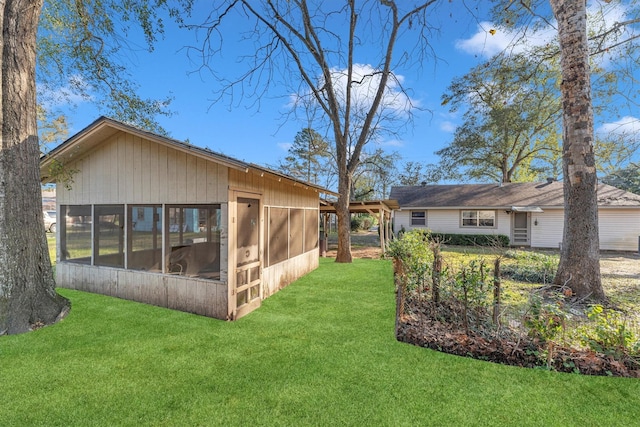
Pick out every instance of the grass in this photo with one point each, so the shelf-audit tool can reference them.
(320, 352)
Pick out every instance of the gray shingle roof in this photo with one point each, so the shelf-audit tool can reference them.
(541, 194)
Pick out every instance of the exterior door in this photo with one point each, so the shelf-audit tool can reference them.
(520, 234)
(246, 294)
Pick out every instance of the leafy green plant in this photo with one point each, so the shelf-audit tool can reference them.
(609, 333)
(498, 240)
(413, 249)
(474, 280)
(544, 321)
(530, 267)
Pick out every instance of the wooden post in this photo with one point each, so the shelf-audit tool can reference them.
(381, 231)
(436, 273)
(496, 291)
(399, 281)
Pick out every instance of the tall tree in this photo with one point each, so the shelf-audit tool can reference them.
(27, 288)
(627, 178)
(579, 266)
(411, 173)
(308, 158)
(320, 43)
(374, 175)
(80, 46)
(510, 119)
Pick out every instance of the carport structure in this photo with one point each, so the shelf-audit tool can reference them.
(381, 209)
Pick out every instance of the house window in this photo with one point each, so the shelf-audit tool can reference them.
(419, 218)
(483, 219)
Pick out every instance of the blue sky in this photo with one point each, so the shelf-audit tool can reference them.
(259, 133)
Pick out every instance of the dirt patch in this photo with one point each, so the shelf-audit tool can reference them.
(364, 244)
(620, 264)
(424, 328)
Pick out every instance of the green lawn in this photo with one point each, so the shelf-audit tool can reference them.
(320, 352)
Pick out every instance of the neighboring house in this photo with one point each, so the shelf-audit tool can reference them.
(155, 220)
(530, 214)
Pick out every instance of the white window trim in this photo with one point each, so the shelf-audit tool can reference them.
(495, 219)
(424, 218)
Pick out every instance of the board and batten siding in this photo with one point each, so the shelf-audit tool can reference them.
(129, 169)
(193, 295)
(280, 194)
(448, 221)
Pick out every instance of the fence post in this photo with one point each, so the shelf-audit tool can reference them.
(399, 279)
(496, 291)
(436, 273)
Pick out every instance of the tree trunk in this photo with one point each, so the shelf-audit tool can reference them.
(580, 255)
(344, 219)
(27, 289)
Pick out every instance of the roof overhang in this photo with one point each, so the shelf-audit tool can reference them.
(526, 209)
(368, 206)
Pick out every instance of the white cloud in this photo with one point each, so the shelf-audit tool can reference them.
(364, 83)
(491, 39)
(284, 146)
(483, 43)
(448, 126)
(627, 126)
(74, 93)
(393, 143)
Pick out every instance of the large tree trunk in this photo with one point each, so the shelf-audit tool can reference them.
(27, 290)
(580, 255)
(344, 218)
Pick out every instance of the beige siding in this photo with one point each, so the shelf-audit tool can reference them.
(401, 219)
(282, 194)
(128, 169)
(619, 229)
(274, 193)
(448, 221)
(280, 275)
(204, 297)
(548, 231)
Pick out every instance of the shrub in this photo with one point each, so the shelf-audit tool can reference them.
(413, 249)
(530, 267)
(610, 333)
(499, 240)
(362, 222)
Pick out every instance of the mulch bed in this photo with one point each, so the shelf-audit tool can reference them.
(439, 328)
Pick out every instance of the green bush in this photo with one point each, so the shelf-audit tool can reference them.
(362, 222)
(413, 249)
(530, 267)
(610, 333)
(472, 239)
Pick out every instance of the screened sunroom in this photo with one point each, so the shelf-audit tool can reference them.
(155, 220)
